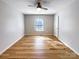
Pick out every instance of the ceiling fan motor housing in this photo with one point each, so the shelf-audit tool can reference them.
(39, 5)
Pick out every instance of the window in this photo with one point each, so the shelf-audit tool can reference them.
(39, 24)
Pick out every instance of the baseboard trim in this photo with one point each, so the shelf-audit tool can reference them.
(69, 47)
(11, 44)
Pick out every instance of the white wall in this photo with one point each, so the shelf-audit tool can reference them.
(69, 26)
(11, 26)
(48, 27)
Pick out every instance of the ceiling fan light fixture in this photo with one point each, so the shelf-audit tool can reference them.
(38, 9)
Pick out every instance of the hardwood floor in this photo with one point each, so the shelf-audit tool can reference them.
(39, 47)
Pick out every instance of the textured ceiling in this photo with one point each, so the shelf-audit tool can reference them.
(52, 5)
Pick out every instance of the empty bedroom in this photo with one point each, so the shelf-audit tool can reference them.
(39, 29)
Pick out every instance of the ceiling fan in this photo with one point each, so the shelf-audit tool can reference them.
(38, 5)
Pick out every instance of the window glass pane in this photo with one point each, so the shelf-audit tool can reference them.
(39, 25)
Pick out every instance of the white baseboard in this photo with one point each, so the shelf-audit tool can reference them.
(11, 45)
(69, 47)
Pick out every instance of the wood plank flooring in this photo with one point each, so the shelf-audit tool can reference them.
(39, 47)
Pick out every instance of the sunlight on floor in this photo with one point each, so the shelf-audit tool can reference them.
(39, 42)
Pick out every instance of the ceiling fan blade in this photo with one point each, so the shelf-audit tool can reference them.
(31, 5)
(44, 8)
